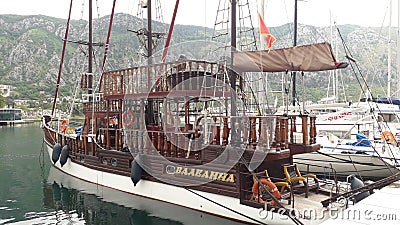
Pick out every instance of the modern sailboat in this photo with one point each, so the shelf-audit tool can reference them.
(357, 138)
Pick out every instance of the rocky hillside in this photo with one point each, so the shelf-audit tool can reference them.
(30, 51)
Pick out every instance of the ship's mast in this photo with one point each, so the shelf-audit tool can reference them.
(389, 66)
(150, 33)
(233, 25)
(398, 52)
(233, 45)
(90, 49)
(294, 44)
(232, 73)
(146, 35)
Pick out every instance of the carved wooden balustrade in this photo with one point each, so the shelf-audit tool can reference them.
(191, 142)
(99, 106)
(262, 132)
(162, 78)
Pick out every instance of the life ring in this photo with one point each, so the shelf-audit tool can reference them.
(64, 126)
(112, 121)
(388, 136)
(128, 118)
(271, 185)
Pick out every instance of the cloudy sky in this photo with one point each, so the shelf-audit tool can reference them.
(277, 12)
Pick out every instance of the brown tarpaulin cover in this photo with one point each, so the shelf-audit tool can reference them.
(307, 58)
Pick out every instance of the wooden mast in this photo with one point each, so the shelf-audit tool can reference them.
(149, 106)
(150, 33)
(231, 72)
(90, 49)
(294, 44)
(389, 65)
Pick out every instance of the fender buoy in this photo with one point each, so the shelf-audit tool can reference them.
(355, 183)
(271, 185)
(56, 152)
(64, 155)
(136, 172)
(128, 118)
(64, 126)
(388, 136)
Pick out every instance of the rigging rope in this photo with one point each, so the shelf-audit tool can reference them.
(226, 207)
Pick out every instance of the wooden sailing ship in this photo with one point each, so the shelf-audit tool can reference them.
(180, 132)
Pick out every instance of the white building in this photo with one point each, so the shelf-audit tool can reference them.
(6, 89)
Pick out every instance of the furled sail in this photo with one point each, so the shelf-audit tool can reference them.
(307, 58)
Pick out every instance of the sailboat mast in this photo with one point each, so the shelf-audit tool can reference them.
(295, 24)
(233, 40)
(90, 49)
(232, 74)
(398, 51)
(294, 44)
(262, 5)
(389, 50)
(150, 34)
(233, 24)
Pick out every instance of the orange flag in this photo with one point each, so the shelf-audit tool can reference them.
(269, 38)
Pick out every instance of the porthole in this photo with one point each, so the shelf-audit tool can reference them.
(113, 162)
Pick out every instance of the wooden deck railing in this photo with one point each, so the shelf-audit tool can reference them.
(95, 107)
(162, 77)
(262, 132)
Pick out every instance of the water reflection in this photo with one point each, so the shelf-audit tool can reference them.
(21, 176)
(88, 202)
(100, 205)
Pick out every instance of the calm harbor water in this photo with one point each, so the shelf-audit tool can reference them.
(34, 192)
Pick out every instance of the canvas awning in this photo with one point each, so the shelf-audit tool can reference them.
(307, 58)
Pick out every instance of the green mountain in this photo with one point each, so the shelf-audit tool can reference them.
(30, 52)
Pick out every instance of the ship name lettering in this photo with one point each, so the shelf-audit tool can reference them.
(207, 174)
